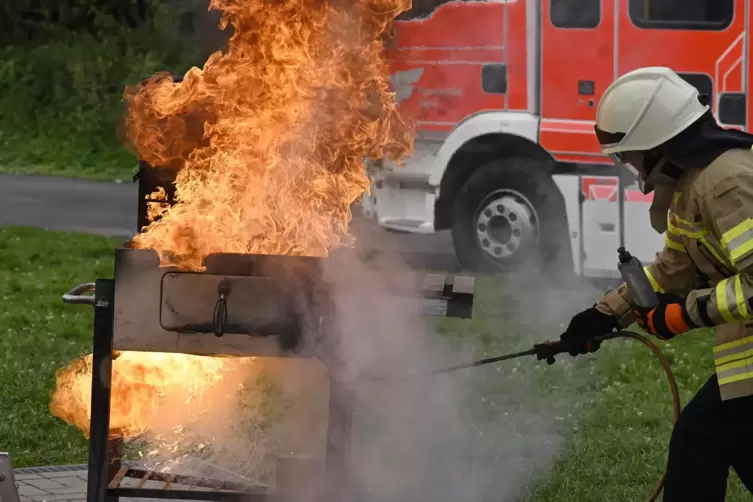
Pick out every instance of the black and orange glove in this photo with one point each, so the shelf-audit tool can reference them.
(667, 320)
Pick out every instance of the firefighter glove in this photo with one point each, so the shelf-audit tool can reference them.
(667, 320)
(579, 338)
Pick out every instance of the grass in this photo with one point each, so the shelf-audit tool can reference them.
(39, 334)
(620, 450)
(34, 156)
(618, 399)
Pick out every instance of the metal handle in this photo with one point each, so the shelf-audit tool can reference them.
(76, 295)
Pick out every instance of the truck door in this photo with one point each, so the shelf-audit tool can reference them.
(577, 65)
(702, 40)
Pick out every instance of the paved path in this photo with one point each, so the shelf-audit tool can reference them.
(51, 483)
(110, 208)
(67, 483)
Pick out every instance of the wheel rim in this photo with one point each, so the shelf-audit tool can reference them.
(506, 226)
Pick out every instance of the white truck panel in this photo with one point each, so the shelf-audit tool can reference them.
(641, 239)
(522, 124)
(600, 212)
(569, 185)
(401, 197)
(404, 209)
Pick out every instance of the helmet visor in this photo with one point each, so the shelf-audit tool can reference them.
(621, 163)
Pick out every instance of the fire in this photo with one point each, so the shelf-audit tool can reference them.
(140, 380)
(271, 139)
(272, 135)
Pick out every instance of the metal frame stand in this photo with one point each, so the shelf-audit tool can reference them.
(8, 486)
(106, 471)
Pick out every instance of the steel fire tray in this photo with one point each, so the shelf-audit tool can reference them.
(240, 305)
(178, 487)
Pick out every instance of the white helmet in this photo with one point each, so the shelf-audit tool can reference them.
(643, 109)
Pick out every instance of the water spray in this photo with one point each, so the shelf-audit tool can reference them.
(643, 295)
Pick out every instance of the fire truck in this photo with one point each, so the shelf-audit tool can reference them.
(504, 96)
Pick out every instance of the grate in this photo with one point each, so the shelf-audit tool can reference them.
(186, 488)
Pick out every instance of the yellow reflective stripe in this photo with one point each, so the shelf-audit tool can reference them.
(734, 364)
(693, 233)
(733, 344)
(736, 378)
(721, 301)
(735, 371)
(720, 362)
(741, 251)
(672, 244)
(654, 284)
(742, 302)
(677, 196)
(730, 300)
(684, 222)
(736, 231)
(712, 249)
(738, 241)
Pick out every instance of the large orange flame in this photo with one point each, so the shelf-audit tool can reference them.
(140, 380)
(271, 138)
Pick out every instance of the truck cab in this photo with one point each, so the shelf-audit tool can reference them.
(504, 93)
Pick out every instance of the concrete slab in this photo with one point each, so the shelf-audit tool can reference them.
(67, 483)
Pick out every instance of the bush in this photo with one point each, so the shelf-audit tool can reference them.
(63, 70)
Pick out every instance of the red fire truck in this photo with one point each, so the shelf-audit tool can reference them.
(504, 94)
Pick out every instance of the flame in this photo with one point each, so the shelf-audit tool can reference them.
(139, 381)
(270, 139)
(271, 136)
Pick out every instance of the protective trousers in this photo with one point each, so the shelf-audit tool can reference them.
(710, 437)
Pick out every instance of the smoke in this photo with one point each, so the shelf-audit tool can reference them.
(473, 435)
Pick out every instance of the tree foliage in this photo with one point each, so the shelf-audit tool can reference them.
(65, 63)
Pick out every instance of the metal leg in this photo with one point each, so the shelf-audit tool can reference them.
(338, 438)
(99, 427)
(114, 463)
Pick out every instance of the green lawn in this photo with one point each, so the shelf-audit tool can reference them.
(45, 156)
(39, 334)
(614, 406)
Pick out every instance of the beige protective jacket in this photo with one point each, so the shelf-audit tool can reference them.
(710, 230)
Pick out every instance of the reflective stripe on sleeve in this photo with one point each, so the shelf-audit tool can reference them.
(680, 227)
(738, 241)
(742, 302)
(730, 300)
(684, 227)
(654, 284)
(674, 242)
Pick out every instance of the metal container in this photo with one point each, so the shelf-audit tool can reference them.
(259, 305)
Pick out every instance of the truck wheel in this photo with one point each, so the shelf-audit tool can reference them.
(509, 213)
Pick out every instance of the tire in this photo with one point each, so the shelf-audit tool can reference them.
(510, 215)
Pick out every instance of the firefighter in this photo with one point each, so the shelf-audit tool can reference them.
(657, 127)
